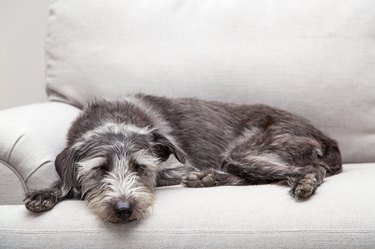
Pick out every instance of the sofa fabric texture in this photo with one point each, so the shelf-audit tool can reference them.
(312, 57)
(339, 216)
(30, 138)
(315, 58)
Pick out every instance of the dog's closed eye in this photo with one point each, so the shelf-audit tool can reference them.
(103, 167)
(138, 167)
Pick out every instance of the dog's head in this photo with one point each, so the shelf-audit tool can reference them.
(114, 168)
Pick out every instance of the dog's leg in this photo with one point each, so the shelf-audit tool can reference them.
(210, 178)
(305, 183)
(171, 172)
(303, 180)
(45, 199)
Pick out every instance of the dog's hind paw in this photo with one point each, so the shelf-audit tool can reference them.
(305, 187)
(40, 201)
(199, 179)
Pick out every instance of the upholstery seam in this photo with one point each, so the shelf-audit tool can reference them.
(13, 169)
(37, 168)
(191, 232)
(14, 145)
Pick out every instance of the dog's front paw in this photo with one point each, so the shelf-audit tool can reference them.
(199, 179)
(40, 201)
(305, 187)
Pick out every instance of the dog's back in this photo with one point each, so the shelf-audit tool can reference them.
(206, 130)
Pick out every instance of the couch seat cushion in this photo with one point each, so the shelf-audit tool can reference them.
(340, 215)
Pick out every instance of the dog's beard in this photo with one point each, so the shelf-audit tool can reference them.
(102, 195)
(102, 203)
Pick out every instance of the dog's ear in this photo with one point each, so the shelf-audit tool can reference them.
(65, 167)
(163, 148)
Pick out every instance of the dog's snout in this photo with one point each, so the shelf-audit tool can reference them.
(123, 209)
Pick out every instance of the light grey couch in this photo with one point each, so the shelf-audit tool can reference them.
(313, 57)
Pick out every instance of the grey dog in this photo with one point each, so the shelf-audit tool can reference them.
(119, 151)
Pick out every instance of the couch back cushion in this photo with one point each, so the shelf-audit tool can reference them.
(315, 58)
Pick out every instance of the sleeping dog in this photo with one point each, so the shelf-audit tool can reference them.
(118, 151)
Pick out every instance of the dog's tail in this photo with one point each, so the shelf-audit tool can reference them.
(332, 157)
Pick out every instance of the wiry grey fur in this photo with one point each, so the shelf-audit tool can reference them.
(118, 152)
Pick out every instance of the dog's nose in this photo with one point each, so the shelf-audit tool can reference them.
(123, 209)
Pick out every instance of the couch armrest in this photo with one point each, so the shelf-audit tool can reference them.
(30, 138)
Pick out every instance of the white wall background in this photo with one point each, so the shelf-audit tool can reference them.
(23, 26)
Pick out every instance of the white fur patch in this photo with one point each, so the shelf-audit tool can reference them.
(87, 165)
(270, 158)
(141, 157)
(124, 184)
(245, 136)
(117, 129)
(136, 129)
